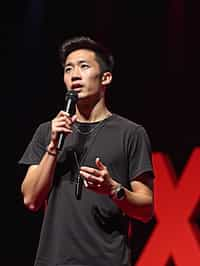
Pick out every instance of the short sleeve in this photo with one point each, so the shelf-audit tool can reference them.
(37, 146)
(139, 153)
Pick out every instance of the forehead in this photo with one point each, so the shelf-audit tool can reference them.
(81, 54)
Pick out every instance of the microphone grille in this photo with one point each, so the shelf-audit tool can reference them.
(73, 95)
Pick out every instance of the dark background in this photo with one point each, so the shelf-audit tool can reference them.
(156, 83)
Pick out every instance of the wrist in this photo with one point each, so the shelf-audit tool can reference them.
(117, 192)
(113, 186)
(52, 150)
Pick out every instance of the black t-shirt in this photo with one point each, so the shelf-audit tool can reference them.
(92, 231)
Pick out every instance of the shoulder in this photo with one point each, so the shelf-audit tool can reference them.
(43, 129)
(125, 123)
(44, 126)
(129, 129)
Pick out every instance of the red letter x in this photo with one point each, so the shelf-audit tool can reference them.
(174, 235)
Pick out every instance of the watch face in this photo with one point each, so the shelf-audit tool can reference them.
(121, 193)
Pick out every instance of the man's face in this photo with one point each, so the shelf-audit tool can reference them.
(82, 73)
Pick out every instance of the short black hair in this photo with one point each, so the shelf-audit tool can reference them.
(103, 55)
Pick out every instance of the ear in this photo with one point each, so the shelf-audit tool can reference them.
(106, 78)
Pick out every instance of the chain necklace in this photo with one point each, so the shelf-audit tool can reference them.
(89, 131)
(93, 128)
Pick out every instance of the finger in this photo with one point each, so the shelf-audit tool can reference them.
(91, 171)
(99, 164)
(85, 183)
(91, 178)
(62, 114)
(62, 123)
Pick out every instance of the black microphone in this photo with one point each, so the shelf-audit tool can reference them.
(71, 98)
(79, 187)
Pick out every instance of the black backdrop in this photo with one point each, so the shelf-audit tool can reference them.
(156, 83)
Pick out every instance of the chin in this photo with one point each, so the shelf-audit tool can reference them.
(80, 95)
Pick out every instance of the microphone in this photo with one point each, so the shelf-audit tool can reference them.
(78, 187)
(71, 98)
(79, 180)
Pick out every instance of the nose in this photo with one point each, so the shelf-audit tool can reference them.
(76, 73)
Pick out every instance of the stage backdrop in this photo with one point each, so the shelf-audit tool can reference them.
(156, 83)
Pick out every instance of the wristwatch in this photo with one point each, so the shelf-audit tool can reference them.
(118, 193)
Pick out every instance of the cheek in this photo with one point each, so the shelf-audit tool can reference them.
(66, 80)
(95, 79)
(93, 85)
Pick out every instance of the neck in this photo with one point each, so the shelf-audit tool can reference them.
(87, 112)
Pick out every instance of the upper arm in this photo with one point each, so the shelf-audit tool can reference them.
(143, 183)
(28, 174)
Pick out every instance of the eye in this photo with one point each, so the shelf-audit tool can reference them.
(84, 66)
(67, 69)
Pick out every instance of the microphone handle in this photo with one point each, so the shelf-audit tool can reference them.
(61, 135)
(78, 188)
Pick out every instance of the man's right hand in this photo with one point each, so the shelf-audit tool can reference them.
(62, 123)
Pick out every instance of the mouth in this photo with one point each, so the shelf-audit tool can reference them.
(76, 87)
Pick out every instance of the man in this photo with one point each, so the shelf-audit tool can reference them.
(112, 156)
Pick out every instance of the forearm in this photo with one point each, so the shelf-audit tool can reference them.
(38, 182)
(136, 205)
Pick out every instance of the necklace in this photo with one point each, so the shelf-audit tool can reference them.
(92, 126)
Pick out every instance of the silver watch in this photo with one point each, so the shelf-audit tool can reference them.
(118, 193)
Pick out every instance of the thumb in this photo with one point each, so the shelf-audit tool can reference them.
(99, 164)
(74, 117)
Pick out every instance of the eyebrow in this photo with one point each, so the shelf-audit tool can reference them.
(79, 62)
